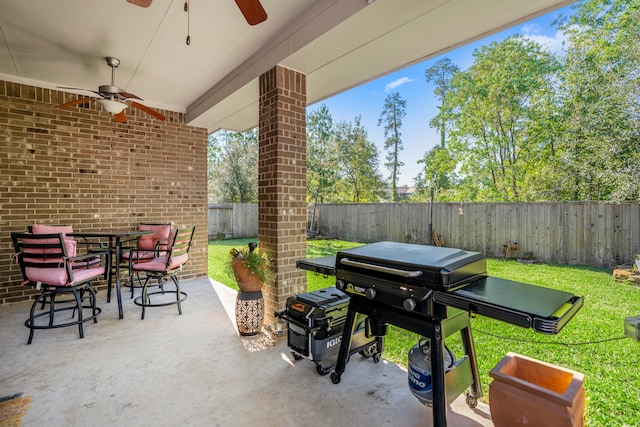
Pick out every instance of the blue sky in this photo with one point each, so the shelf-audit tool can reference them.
(417, 137)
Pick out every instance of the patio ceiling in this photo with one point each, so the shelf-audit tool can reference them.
(338, 44)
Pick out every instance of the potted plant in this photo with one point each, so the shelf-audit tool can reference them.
(251, 268)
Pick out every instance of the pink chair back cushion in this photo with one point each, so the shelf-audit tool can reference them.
(69, 246)
(69, 243)
(149, 241)
(160, 264)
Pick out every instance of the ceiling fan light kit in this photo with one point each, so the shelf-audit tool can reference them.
(112, 106)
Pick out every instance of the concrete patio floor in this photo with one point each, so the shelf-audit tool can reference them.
(194, 370)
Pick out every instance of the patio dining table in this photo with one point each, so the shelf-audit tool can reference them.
(115, 239)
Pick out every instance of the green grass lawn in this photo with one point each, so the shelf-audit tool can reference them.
(593, 341)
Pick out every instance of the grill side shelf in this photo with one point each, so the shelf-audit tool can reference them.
(472, 305)
(325, 265)
(529, 306)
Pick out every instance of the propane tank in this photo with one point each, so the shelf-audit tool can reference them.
(419, 371)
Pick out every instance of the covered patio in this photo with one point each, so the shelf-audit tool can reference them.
(79, 166)
(195, 370)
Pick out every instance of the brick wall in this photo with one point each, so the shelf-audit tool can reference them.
(78, 167)
(282, 210)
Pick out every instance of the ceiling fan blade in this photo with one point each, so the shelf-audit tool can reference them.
(76, 102)
(78, 88)
(252, 10)
(127, 95)
(141, 3)
(148, 110)
(120, 117)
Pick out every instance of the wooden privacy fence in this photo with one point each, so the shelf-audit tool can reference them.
(577, 233)
(233, 220)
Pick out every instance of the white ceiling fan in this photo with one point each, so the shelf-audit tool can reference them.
(112, 98)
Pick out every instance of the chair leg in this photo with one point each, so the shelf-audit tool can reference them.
(145, 298)
(31, 321)
(76, 294)
(94, 307)
(52, 306)
(178, 293)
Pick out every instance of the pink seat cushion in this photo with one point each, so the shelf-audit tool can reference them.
(139, 256)
(69, 243)
(160, 263)
(59, 277)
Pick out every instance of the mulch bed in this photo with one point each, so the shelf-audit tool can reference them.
(626, 273)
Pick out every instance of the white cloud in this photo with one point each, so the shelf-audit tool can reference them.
(553, 43)
(394, 84)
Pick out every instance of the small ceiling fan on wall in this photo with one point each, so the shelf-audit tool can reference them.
(252, 10)
(112, 98)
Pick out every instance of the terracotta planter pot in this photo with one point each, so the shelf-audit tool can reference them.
(528, 392)
(246, 281)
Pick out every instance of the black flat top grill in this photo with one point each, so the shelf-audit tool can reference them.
(393, 273)
(413, 286)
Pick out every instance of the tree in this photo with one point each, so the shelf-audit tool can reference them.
(441, 74)
(496, 108)
(391, 118)
(357, 165)
(438, 163)
(321, 171)
(438, 173)
(213, 159)
(601, 87)
(235, 173)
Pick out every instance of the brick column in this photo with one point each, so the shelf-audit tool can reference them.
(282, 212)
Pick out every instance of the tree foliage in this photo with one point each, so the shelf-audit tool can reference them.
(495, 109)
(441, 75)
(357, 164)
(233, 167)
(321, 158)
(520, 124)
(391, 119)
(439, 166)
(342, 163)
(601, 89)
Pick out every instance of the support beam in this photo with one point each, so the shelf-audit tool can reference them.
(282, 211)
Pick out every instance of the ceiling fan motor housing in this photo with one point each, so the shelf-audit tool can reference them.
(109, 89)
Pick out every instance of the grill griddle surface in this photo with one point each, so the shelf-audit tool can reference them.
(411, 255)
(535, 300)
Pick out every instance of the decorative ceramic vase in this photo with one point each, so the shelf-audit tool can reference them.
(249, 313)
(528, 392)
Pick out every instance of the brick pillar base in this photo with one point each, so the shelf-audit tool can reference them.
(282, 212)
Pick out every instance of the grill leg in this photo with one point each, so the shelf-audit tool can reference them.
(345, 345)
(469, 350)
(437, 375)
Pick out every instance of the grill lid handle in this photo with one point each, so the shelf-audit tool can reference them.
(380, 268)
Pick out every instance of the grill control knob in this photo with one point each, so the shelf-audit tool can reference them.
(409, 304)
(340, 285)
(370, 293)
